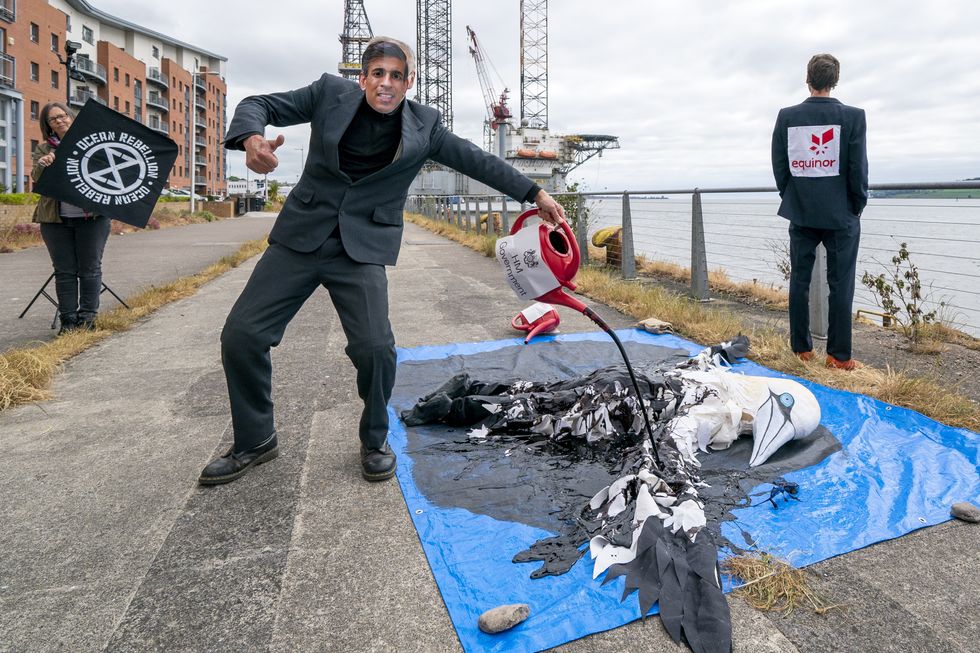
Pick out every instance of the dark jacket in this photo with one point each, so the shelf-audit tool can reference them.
(369, 211)
(47, 209)
(820, 161)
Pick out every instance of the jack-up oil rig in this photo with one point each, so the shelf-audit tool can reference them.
(528, 145)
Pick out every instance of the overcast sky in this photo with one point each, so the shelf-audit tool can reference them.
(691, 88)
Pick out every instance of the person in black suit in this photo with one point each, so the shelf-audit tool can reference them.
(820, 161)
(339, 227)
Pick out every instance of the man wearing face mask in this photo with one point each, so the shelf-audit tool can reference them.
(341, 225)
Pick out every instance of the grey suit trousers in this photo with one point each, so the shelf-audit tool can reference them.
(281, 283)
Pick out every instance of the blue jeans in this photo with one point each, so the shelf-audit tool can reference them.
(75, 246)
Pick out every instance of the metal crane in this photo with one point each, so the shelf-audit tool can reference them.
(357, 32)
(497, 111)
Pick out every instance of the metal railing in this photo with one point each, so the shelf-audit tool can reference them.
(737, 230)
(79, 98)
(8, 70)
(8, 10)
(159, 125)
(91, 68)
(154, 75)
(157, 101)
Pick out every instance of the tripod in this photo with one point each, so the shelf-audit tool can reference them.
(44, 291)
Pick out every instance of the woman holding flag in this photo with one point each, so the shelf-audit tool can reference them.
(75, 238)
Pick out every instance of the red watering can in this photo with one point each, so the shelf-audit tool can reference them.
(540, 264)
(557, 248)
(536, 319)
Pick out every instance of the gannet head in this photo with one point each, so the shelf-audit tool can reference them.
(788, 412)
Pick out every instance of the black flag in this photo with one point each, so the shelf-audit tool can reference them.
(110, 165)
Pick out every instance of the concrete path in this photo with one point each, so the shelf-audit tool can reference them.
(131, 262)
(108, 544)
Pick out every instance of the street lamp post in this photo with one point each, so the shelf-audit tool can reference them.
(68, 61)
(302, 158)
(194, 75)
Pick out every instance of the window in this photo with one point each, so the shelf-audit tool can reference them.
(127, 107)
(54, 42)
(35, 32)
(35, 72)
(88, 35)
(35, 110)
(115, 102)
(156, 52)
(115, 74)
(138, 90)
(54, 79)
(127, 79)
(34, 145)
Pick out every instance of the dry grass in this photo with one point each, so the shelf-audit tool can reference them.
(719, 281)
(774, 586)
(26, 373)
(13, 239)
(770, 346)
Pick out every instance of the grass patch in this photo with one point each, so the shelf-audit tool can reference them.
(22, 235)
(770, 345)
(26, 372)
(772, 585)
(718, 281)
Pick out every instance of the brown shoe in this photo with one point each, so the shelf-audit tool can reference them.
(805, 356)
(848, 365)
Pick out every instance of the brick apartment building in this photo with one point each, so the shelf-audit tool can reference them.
(143, 74)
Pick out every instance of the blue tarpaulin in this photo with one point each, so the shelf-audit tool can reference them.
(897, 471)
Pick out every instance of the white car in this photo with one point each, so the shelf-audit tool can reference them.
(176, 192)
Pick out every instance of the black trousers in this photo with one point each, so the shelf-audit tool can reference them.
(281, 283)
(76, 246)
(842, 253)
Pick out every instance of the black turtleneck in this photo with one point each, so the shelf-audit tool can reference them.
(370, 142)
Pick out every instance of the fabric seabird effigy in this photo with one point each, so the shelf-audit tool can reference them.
(869, 472)
(649, 525)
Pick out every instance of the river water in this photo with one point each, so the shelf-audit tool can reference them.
(745, 237)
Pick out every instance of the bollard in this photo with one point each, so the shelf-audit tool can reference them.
(504, 218)
(628, 262)
(582, 231)
(699, 257)
(819, 296)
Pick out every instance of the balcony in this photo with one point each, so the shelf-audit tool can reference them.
(157, 101)
(91, 70)
(79, 98)
(7, 70)
(158, 125)
(200, 142)
(200, 122)
(8, 10)
(199, 82)
(200, 160)
(154, 76)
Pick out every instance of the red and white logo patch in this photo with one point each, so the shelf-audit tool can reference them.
(814, 150)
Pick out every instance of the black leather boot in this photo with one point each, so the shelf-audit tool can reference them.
(234, 465)
(378, 464)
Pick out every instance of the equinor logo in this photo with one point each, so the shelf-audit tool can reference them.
(112, 168)
(814, 150)
(820, 142)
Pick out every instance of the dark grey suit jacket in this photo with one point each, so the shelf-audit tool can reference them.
(369, 211)
(824, 202)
